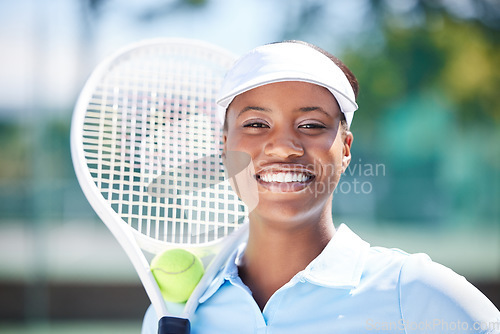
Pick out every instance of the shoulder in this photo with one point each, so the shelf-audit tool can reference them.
(430, 292)
(386, 259)
(150, 322)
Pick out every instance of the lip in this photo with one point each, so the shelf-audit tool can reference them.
(284, 177)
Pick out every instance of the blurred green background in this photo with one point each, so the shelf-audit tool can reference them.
(426, 158)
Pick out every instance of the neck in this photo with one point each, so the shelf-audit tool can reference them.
(276, 252)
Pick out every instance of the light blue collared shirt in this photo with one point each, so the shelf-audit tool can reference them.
(349, 288)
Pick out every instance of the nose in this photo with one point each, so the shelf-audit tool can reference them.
(284, 144)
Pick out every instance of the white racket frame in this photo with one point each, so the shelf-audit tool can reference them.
(125, 235)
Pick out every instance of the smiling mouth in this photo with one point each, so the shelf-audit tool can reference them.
(279, 181)
(285, 177)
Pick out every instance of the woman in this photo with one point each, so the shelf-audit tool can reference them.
(288, 106)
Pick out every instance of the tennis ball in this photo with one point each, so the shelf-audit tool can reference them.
(177, 273)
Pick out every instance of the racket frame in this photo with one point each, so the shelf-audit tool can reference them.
(128, 237)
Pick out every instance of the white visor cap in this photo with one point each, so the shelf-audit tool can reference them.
(287, 61)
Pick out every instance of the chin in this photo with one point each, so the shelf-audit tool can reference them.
(288, 212)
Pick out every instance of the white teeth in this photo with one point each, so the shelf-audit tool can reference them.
(284, 177)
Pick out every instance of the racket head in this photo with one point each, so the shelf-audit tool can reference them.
(146, 145)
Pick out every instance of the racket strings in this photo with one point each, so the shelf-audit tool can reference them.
(152, 144)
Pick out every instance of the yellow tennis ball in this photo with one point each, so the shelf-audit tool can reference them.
(177, 273)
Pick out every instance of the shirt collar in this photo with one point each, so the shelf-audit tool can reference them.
(341, 262)
(339, 265)
(229, 272)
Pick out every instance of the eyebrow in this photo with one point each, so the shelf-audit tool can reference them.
(248, 108)
(303, 109)
(319, 109)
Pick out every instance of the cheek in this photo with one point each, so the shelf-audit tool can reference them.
(236, 142)
(329, 160)
(231, 143)
(241, 174)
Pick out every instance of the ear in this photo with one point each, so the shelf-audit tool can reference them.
(224, 141)
(346, 156)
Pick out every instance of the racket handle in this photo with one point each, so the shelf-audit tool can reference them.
(172, 325)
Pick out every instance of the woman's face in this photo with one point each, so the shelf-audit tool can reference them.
(291, 131)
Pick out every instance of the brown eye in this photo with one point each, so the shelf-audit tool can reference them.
(255, 125)
(312, 126)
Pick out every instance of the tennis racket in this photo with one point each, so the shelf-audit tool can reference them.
(146, 147)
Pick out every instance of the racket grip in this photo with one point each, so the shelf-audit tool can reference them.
(172, 325)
